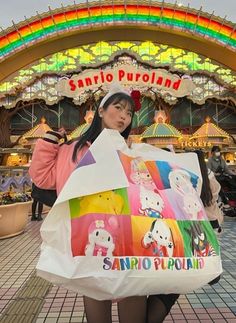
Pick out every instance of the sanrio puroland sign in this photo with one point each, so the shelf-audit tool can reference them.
(127, 75)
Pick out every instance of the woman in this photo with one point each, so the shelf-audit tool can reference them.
(210, 194)
(51, 166)
(36, 204)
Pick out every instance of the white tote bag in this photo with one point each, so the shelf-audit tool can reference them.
(129, 222)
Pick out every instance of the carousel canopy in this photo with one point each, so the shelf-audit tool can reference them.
(209, 130)
(38, 131)
(84, 127)
(161, 130)
(79, 130)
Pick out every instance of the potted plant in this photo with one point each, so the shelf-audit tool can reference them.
(14, 210)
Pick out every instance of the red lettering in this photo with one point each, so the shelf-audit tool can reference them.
(130, 76)
(72, 85)
(121, 74)
(102, 77)
(80, 83)
(88, 81)
(116, 264)
(137, 77)
(145, 77)
(167, 83)
(159, 80)
(109, 77)
(157, 262)
(153, 77)
(176, 85)
(95, 79)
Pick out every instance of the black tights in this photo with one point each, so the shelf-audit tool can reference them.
(130, 310)
(97, 311)
(34, 206)
(159, 306)
(156, 310)
(135, 309)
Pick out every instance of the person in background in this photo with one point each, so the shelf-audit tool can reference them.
(210, 194)
(217, 164)
(221, 170)
(39, 206)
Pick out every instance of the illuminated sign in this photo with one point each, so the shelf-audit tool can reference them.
(196, 144)
(128, 76)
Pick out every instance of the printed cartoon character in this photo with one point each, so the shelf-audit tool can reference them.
(101, 237)
(180, 181)
(140, 174)
(160, 239)
(192, 206)
(151, 203)
(199, 244)
(106, 202)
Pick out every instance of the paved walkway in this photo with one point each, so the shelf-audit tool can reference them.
(26, 298)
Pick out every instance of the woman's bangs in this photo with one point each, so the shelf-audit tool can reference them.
(122, 97)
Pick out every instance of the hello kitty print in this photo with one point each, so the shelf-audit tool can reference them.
(130, 222)
(149, 211)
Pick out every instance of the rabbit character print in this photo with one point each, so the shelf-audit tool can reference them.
(101, 237)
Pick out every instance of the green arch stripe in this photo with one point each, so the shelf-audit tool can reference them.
(40, 29)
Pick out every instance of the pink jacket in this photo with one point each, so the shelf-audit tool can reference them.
(52, 164)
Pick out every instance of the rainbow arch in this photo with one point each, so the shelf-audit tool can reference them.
(95, 17)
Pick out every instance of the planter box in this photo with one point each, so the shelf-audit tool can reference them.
(13, 218)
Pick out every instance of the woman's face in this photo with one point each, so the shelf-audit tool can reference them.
(217, 153)
(117, 116)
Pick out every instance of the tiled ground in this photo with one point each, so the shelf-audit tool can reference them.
(18, 257)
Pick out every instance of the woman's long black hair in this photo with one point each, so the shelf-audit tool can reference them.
(206, 194)
(96, 126)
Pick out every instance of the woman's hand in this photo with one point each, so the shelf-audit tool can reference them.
(129, 141)
(62, 132)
